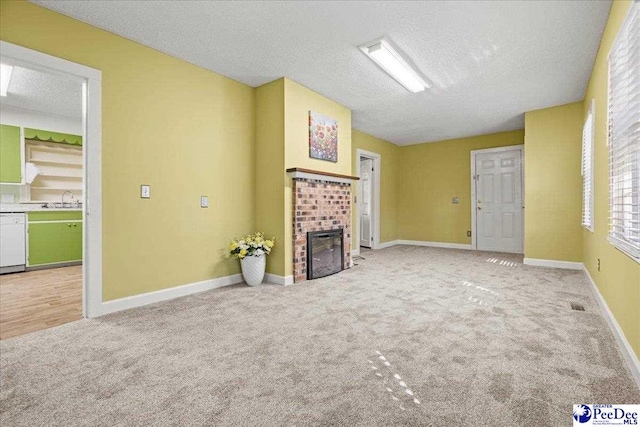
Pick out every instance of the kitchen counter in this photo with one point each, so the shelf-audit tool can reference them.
(31, 207)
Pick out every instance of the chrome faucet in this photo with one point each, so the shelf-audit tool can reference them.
(64, 194)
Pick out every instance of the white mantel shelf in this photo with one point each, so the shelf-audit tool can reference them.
(301, 173)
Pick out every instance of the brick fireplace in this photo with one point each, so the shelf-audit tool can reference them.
(321, 202)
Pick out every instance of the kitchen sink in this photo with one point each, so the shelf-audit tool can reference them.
(58, 205)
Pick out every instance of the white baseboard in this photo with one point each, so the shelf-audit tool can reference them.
(278, 280)
(551, 263)
(391, 243)
(356, 251)
(387, 244)
(629, 355)
(435, 244)
(167, 294)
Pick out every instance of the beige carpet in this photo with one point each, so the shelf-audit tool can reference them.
(411, 336)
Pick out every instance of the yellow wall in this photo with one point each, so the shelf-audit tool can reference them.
(184, 130)
(389, 159)
(619, 277)
(430, 175)
(553, 183)
(298, 101)
(269, 178)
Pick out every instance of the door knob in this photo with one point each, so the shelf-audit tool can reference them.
(479, 208)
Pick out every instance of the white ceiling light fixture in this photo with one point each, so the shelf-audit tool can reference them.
(381, 52)
(5, 78)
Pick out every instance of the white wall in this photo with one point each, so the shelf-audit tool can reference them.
(15, 116)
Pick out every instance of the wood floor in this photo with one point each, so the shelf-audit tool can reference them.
(39, 299)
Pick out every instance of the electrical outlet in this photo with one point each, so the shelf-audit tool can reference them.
(204, 201)
(145, 191)
(598, 264)
(468, 233)
(455, 200)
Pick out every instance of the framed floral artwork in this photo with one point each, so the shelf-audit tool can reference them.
(323, 137)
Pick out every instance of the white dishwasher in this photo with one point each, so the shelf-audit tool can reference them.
(13, 253)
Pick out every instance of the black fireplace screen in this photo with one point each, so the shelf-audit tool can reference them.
(325, 253)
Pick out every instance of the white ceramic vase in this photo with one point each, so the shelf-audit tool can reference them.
(253, 269)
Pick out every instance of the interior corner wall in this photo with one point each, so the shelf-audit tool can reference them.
(182, 129)
(269, 171)
(298, 101)
(430, 175)
(618, 278)
(389, 169)
(553, 183)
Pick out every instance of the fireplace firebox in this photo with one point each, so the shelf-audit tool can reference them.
(325, 253)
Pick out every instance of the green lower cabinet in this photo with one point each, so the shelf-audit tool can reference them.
(54, 215)
(55, 242)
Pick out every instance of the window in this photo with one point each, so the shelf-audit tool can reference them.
(587, 170)
(624, 137)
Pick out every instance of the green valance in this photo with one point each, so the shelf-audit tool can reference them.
(47, 136)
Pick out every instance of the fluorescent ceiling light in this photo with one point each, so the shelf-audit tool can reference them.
(390, 61)
(5, 78)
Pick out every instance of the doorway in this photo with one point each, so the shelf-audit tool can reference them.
(366, 214)
(62, 165)
(367, 228)
(497, 208)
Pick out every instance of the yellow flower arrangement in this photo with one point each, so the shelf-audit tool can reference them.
(251, 245)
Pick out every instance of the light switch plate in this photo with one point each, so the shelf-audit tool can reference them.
(455, 200)
(145, 191)
(204, 201)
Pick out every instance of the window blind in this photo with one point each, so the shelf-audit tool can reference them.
(624, 136)
(587, 170)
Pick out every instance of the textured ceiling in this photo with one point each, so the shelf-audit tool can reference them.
(489, 62)
(45, 93)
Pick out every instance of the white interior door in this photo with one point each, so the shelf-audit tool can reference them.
(499, 201)
(366, 184)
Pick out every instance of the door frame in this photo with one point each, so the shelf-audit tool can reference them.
(474, 153)
(91, 80)
(375, 199)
